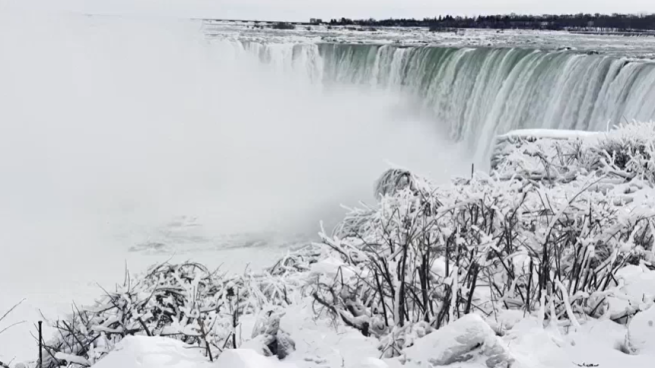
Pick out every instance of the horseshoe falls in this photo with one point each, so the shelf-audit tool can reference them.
(476, 93)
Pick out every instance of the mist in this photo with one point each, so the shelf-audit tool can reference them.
(112, 128)
(114, 124)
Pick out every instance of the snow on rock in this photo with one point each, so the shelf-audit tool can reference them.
(246, 358)
(153, 352)
(74, 359)
(460, 341)
(641, 332)
(532, 346)
(639, 283)
(322, 344)
(635, 292)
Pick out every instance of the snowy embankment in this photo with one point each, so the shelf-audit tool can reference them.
(545, 262)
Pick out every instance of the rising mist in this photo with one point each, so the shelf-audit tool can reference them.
(112, 123)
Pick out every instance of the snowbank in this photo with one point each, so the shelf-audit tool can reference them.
(158, 352)
(641, 333)
(153, 352)
(246, 358)
(463, 340)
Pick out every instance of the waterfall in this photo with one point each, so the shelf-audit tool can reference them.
(475, 93)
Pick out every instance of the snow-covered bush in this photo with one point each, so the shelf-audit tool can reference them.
(555, 156)
(545, 233)
(629, 151)
(186, 302)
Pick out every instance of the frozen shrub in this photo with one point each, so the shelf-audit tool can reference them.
(186, 302)
(551, 225)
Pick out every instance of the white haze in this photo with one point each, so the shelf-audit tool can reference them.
(113, 125)
(111, 128)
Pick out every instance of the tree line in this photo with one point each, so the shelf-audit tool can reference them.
(605, 22)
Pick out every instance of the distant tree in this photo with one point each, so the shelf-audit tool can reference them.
(283, 26)
(630, 23)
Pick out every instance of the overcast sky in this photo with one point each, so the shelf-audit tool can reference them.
(299, 10)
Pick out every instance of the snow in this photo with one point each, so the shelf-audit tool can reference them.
(331, 267)
(457, 342)
(547, 133)
(641, 332)
(245, 358)
(372, 363)
(153, 352)
(322, 343)
(158, 352)
(638, 283)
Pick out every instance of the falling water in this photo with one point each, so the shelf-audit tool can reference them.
(475, 93)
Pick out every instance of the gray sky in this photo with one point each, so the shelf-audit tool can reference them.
(299, 10)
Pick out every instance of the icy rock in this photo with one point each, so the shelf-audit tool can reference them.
(461, 340)
(269, 339)
(372, 363)
(283, 345)
(260, 344)
(641, 332)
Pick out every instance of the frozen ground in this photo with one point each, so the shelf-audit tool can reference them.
(637, 47)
